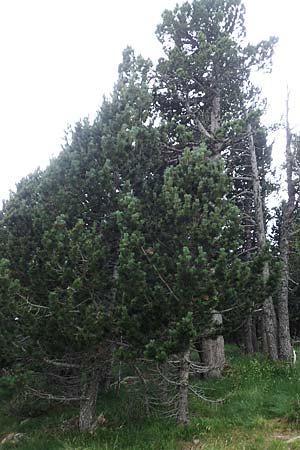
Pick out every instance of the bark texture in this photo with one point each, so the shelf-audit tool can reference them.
(213, 353)
(249, 347)
(184, 372)
(215, 117)
(250, 336)
(285, 348)
(89, 393)
(269, 315)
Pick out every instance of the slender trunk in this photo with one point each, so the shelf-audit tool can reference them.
(249, 348)
(184, 372)
(250, 322)
(270, 322)
(215, 121)
(270, 328)
(285, 348)
(254, 335)
(215, 116)
(89, 393)
(264, 342)
(213, 353)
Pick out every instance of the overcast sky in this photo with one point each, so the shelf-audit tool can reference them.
(58, 58)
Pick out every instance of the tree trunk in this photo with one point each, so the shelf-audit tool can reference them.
(249, 347)
(270, 322)
(285, 348)
(215, 116)
(89, 393)
(184, 372)
(254, 334)
(270, 328)
(264, 343)
(213, 353)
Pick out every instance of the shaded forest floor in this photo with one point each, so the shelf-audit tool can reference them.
(261, 411)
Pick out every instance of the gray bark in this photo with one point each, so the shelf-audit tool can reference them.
(270, 328)
(184, 372)
(269, 315)
(89, 393)
(263, 336)
(213, 353)
(285, 348)
(215, 116)
(249, 347)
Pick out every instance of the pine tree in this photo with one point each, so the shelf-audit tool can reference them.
(203, 88)
(203, 83)
(289, 208)
(171, 284)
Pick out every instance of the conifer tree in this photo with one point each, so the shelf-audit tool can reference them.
(171, 284)
(9, 335)
(203, 88)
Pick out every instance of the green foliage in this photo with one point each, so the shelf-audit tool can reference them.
(126, 132)
(73, 265)
(9, 289)
(121, 246)
(178, 265)
(204, 45)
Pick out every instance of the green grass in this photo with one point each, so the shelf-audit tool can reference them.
(262, 403)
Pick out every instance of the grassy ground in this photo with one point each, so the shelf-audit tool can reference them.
(261, 412)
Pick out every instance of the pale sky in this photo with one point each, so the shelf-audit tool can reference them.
(58, 58)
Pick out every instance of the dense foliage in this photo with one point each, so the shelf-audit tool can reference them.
(150, 222)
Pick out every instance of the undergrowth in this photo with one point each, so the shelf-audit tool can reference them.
(261, 400)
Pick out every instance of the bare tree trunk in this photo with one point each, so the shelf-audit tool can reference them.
(264, 342)
(254, 334)
(270, 322)
(215, 116)
(285, 348)
(270, 328)
(213, 353)
(89, 393)
(248, 329)
(184, 372)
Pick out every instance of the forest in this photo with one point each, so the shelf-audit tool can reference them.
(144, 269)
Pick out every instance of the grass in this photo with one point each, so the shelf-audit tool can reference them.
(261, 411)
